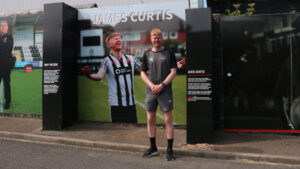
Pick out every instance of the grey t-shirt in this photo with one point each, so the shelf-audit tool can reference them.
(158, 65)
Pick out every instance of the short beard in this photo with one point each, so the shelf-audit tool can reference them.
(116, 49)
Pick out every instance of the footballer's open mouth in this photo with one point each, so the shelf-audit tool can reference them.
(118, 43)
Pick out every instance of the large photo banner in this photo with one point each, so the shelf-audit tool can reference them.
(134, 23)
(21, 57)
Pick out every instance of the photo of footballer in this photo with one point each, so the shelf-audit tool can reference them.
(119, 70)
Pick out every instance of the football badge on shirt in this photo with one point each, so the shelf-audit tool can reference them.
(150, 59)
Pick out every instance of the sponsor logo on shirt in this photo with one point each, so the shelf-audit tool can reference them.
(122, 71)
(4, 40)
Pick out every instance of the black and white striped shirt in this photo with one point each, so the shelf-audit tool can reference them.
(119, 74)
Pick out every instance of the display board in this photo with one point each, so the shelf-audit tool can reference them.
(133, 23)
(59, 77)
(199, 76)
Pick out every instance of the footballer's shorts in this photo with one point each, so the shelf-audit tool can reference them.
(123, 114)
(163, 99)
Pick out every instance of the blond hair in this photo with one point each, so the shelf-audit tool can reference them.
(114, 34)
(156, 32)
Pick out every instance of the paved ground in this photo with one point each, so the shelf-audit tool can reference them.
(28, 155)
(274, 144)
(121, 133)
(235, 145)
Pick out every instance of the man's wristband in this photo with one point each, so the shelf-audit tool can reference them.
(163, 84)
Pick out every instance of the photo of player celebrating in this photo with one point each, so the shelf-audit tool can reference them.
(119, 70)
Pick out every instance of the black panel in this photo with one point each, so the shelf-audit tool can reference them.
(69, 65)
(257, 71)
(217, 74)
(199, 68)
(52, 108)
(60, 40)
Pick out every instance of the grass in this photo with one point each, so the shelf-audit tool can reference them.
(26, 92)
(93, 100)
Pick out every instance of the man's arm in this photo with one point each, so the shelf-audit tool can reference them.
(10, 43)
(156, 89)
(170, 77)
(98, 76)
(137, 64)
(145, 78)
(181, 64)
(144, 69)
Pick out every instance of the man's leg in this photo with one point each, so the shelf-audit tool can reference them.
(165, 101)
(169, 124)
(151, 127)
(6, 80)
(151, 106)
(170, 135)
(151, 124)
(1, 92)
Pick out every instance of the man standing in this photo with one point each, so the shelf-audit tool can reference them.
(119, 71)
(6, 60)
(157, 71)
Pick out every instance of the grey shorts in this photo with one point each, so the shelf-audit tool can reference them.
(164, 100)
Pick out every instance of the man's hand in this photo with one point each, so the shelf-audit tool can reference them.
(156, 89)
(86, 71)
(181, 64)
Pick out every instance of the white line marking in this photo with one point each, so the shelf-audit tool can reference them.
(141, 104)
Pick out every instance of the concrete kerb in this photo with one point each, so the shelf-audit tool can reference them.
(241, 156)
(141, 148)
(73, 141)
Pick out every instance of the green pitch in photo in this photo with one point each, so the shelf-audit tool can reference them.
(26, 92)
(94, 106)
